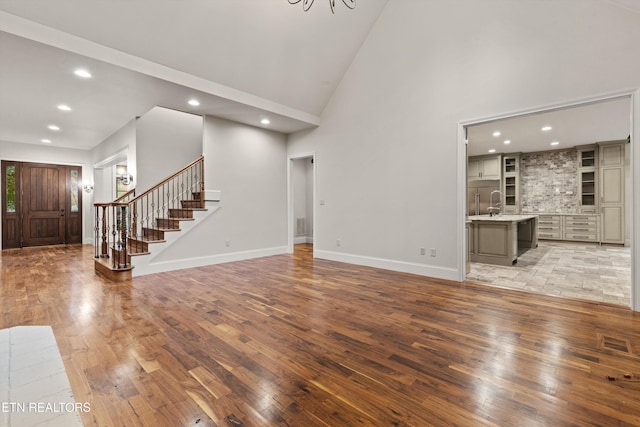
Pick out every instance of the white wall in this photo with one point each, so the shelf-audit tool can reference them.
(119, 148)
(248, 165)
(166, 141)
(56, 155)
(111, 150)
(387, 164)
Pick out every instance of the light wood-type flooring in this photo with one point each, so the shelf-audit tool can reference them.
(570, 269)
(292, 341)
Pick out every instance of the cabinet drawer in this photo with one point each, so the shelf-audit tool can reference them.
(581, 223)
(548, 222)
(543, 228)
(578, 230)
(570, 219)
(583, 237)
(548, 218)
(544, 234)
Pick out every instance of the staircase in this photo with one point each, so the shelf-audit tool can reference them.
(131, 225)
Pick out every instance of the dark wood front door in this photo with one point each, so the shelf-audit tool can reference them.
(45, 207)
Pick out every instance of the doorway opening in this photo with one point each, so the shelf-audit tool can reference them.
(571, 168)
(301, 202)
(41, 204)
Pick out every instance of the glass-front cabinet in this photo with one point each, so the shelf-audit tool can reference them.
(588, 179)
(511, 184)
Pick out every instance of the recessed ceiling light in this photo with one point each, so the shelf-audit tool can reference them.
(64, 107)
(555, 143)
(54, 127)
(492, 150)
(46, 141)
(546, 128)
(81, 72)
(496, 133)
(507, 141)
(194, 102)
(265, 121)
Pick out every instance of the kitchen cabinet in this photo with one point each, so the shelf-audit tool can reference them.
(572, 227)
(499, 239)
(550, 227)
(511, 184)
(588, 178)
(484, 167)
(612, 192)
(583, 228)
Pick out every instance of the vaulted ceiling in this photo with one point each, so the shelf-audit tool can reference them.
(244, 60)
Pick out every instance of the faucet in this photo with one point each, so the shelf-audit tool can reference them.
(492, 209)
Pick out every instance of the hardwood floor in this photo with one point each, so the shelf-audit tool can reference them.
(292, 341)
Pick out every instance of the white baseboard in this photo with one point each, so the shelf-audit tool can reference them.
(179, 264)
(302, 239)
(212, 195)
(389, 264)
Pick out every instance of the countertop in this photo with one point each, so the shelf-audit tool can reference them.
(562, 214)
(501, 218)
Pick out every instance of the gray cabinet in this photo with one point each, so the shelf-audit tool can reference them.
(612, 192)
(581, 228)
(578, 227)
(484, 167)
(511, 184)
(588, 179)
(550, 227)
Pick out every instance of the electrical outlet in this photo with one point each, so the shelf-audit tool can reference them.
(433, 252)
(337, 242)
(227, 243)
(422, 251)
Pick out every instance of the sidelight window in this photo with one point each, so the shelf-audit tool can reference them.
(11, 188)
(74, 191)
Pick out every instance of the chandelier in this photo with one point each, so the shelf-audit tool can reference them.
(306, 4)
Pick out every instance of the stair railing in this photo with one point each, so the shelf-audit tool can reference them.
(110, 231)
(127, 224)
(129, 195)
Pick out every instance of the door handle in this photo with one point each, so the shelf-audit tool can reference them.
(61, 212)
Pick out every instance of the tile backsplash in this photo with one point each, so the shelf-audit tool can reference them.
(549, 181)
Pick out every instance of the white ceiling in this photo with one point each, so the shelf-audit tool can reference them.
(579, 125)
(243, 60)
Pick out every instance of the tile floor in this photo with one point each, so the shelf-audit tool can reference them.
(569, 269)
(34, 388)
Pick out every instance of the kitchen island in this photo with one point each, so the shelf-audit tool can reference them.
(498, 239)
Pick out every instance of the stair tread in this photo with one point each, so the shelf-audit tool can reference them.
(146, 240)
(176, 219)
(161, 229)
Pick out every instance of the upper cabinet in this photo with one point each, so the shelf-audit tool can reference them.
(588, 178)
(612, 154)
(511, 183)
(484, 167)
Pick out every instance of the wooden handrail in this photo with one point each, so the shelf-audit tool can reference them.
(127, 194)
(112, 204)
(164, 181)
(121, 226)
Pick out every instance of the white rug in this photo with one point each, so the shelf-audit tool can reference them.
(34, 388)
